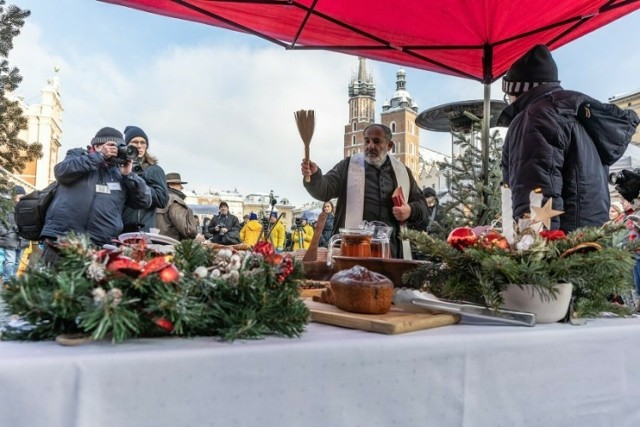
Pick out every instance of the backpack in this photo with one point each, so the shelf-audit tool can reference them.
(31, 211)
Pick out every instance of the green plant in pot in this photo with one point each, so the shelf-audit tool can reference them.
(478, 265)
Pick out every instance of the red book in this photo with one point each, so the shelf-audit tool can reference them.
(398, 197)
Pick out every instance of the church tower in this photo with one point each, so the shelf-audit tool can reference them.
(362, 104)
(400, 114)
(44, 126)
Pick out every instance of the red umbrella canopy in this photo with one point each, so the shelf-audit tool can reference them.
(477, 39)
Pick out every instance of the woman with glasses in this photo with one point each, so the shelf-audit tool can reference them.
(328, 226)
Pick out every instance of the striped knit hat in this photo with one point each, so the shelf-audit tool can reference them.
(534, 68)
(106, 135)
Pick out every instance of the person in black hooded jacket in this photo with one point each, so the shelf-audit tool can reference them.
(146, 166)
(560, 142)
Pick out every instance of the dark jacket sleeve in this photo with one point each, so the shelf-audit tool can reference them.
(330, 185)
(138, 193)
(416, 200)
(77, 164)
(156, 180)
(234, 229)
(539, 160)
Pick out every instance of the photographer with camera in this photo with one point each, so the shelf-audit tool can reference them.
(146, 166)
(225, 227)
(302, 234)
(94, 186)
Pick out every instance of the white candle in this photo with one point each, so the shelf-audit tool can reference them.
(507, 214)
(535, 199)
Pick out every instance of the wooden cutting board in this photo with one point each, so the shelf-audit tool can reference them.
(395, 321)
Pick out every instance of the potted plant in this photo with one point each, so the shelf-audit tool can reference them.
(479, 264)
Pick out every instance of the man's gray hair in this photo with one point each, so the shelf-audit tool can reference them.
(387, 131)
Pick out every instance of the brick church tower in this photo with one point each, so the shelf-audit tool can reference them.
(400, 114)
(362, 106)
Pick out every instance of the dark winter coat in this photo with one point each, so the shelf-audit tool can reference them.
(156, 180)
(78, 205)
(327, 232)
(231, 223)
(552, 145)
(426, 224)
(9, 238)
(379, 185)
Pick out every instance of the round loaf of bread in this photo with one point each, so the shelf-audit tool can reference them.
(359, 290)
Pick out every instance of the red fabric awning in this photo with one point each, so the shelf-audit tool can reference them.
(477, 39)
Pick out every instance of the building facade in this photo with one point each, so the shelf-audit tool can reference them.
(45, 127)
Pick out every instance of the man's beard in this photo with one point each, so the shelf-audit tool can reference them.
(377, 160)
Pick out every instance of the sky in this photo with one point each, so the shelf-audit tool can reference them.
(218, 105)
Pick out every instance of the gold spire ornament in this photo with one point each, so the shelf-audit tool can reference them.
(545, 213)
(306, 121)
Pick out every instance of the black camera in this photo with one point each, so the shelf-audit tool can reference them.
(298, 222)
(137, 166)
(125, 153)
(618, 178)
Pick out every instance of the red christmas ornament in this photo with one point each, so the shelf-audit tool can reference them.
(164, 323)
(125, 265)
(154, 265)
(274, 259)
(264, 248)
(553, 234)
(462, 237)
(169, 274)
(494, 240)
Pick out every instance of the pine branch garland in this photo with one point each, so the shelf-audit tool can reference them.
(479, 274)
(261, 300)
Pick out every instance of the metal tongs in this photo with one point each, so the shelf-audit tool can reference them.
(409, 299)
(506, 317)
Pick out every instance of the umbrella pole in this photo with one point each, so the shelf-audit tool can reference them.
(486, 113)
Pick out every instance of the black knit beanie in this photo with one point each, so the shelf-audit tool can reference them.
(429, 192)
(534, 68)
(131, 132)
(107, 134)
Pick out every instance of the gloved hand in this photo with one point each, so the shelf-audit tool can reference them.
(630, 187)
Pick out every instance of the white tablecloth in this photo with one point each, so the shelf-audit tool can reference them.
(462, 375)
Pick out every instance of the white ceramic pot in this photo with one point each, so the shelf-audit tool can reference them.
(527, 298)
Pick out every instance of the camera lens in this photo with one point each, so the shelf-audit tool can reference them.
(131, 152)
(616, 178)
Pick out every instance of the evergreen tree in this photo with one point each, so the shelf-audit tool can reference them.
(471, 202)
(14, 152)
